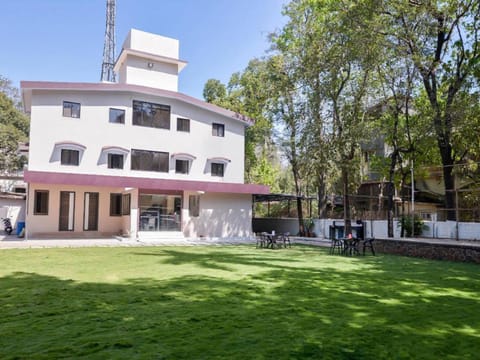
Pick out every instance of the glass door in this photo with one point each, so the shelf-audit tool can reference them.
(160, 212)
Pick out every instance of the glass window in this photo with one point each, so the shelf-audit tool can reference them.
(149, 160)
(117, 116)
(217, 169)
(194, 205)
(151, 115)
(183, 124)
(115, 204)
(40, 203)
(70, 157)
(181, 166)
(126, 204)
(115, 161)
(218, 130)
(71, 109)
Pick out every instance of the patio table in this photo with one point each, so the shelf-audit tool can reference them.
(350, 246)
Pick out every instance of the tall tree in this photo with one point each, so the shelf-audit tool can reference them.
(287, 110)
(14, 127)
(247, 92)
(441, 38)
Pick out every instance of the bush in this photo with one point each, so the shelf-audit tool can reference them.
(405, 224)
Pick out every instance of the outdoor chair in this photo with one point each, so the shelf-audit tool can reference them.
(336, 244)
(286, 239)
(368, 243)
(261, 240)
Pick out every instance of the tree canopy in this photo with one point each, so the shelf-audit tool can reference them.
(14, 128)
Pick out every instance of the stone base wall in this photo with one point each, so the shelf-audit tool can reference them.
(437, 251)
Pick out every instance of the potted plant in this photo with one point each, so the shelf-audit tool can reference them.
(308, 224)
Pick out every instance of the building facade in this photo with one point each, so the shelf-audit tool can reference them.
(137, 157)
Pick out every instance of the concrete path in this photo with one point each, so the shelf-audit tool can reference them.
(13, 242)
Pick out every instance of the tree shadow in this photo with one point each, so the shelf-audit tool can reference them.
(340, 308)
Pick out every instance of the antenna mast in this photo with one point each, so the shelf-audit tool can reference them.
(109, 46)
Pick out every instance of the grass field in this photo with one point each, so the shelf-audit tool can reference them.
(234, 302)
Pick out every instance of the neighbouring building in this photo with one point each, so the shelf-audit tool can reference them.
(135, 158)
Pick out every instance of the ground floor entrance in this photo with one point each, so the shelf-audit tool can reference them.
(148, 212)
(160, 212)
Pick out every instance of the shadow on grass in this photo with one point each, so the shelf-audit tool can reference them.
(342, 308)
(221, 260)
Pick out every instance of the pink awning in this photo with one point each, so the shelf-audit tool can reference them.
(142, 183)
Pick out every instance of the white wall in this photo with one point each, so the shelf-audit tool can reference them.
(14, 209)
(221, 215)
(152, 43)
(378, 228)
(94, 131)
(145, 72)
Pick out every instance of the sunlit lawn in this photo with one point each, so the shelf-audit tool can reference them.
(234, 303)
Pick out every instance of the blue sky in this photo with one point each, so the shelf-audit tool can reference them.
(62, 40)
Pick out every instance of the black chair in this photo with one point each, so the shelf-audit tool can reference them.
(336, 244)
(350, 246)
(261, 240)
(286, 239)
(368, 243)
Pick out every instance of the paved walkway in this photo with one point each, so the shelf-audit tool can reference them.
(13, 242)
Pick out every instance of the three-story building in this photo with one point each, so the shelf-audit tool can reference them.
(135, 157)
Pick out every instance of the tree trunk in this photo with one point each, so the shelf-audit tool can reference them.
(299, 204)
(390, 191)
(322, 200)
(346, 204)
(449, 181)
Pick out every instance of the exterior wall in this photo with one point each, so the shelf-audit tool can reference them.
(14, 209)
(221, 215)
(9, 184)
(145, 71)
(47, 224)
(151, 43)
(436, 251)
(375, 228)
(94, 131)
(140, 71)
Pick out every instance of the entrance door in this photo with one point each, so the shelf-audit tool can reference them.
(90, 213)
(67, 211)
(160, 212)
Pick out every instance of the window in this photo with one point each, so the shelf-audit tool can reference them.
(70, 157)
(149, 160)
(126, 204)
(151, 115)
(194, 205)
(40, 203)
(115, 204)
(218, 130)
(115, 161)
(181, 166)
(183, 124)
(71, 109)
(117, 116)
(217, 169)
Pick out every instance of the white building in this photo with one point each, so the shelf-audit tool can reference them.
(135, 157)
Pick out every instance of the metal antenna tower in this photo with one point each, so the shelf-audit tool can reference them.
(109, 46)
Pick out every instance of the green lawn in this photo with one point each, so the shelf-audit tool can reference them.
(234, 302)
